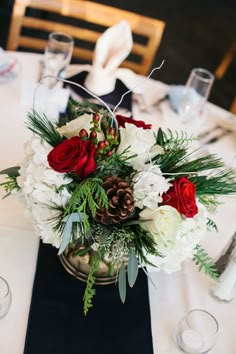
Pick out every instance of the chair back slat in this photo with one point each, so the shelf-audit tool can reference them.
(85, 21)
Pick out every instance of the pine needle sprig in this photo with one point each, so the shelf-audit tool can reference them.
(144, 244)
(41, 126)
(204, 262)
(210, 202)
(221, 183)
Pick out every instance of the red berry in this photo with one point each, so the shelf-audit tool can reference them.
(111, 131)
(93, 135)
(83, 133)
(109, 153)
(106, 142)
(101, 145)
(116, 136)
(96, 117)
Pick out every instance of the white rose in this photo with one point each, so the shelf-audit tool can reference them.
(190, 233)
(73, 127)
(163, 223)
(139, 142)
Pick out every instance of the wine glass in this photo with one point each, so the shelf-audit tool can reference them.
(57, 56)
(195, 94)
(5, 297)
(197, 332)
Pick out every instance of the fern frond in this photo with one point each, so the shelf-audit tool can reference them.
(89, 290)
(204, 262)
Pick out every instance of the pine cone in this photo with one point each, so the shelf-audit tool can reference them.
(120, 200)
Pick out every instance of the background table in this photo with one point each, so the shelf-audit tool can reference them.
(174, 295)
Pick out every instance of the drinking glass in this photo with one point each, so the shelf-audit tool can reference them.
(197, 332)
(5, 297)
(57, 56)
(195, 94)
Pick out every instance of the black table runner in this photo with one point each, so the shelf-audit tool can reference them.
(57, 323)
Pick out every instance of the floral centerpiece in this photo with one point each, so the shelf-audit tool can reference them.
(116, 191)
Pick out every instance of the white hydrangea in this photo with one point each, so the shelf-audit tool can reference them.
(149, 185)
(176, 240)
(39, 185)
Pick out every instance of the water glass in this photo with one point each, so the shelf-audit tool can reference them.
(5, 297)
(197, 332)
(195, 94)
(57, 56)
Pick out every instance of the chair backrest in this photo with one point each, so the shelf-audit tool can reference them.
(84, 21)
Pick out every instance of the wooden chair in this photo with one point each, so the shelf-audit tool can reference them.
(223, 67)
(84, 21)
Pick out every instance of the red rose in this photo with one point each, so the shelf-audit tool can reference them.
(73, 155)
(138, 123)
(182, 196)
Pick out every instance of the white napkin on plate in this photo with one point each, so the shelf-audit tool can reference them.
(111, 49)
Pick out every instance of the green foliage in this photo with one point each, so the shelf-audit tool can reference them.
(173, 138)
(210, 202)
(41, 126)
(11, 171)
(9, 185)
(211, 225)
(132, 269)
(115, 165)
(216, 184)
(203, 261)
(89, 290)
(122, 282)
(76, 109)
(87, 196)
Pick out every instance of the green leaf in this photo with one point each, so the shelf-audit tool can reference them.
(11, 171)
(132, 269)
(66, 235)
(160, 137)
(122, 283)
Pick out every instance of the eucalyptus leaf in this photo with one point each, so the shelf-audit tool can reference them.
(11, 171)
(66, 236)
(122, 283)
(132, 269)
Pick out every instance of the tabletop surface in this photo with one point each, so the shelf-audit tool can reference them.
(173, 295)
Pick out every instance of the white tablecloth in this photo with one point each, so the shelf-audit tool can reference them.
(174, 295)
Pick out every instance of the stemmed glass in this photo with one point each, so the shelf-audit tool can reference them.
(57, 56)
(5, 297)
(195, 94)
(197, 332)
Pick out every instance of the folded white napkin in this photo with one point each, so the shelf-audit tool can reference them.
(146, 91)
(111, 49)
